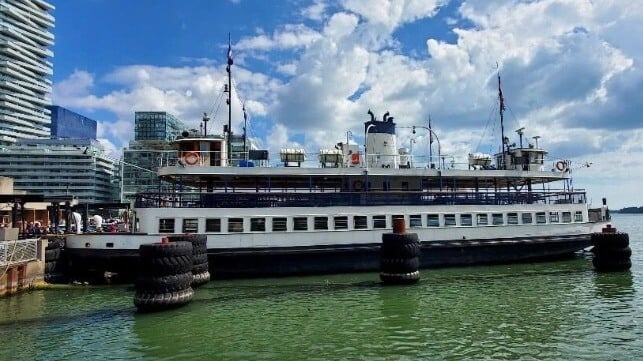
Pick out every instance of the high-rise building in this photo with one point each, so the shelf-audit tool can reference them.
(141, 160)
(54, 167)
(68, 124)
(25, 69)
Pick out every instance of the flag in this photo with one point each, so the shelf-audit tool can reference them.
(502, 99)
(229, 53)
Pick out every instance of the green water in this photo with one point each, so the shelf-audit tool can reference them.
(544, 311)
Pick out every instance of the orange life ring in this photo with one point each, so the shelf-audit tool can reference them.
(561, 166)
(355, 158)
(191, 158)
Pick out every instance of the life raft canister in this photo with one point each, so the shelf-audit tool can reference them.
(355, 158)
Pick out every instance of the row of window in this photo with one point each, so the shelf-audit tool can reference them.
(320, 223)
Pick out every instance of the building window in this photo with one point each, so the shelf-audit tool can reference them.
(497, 219)
(512, 218)
(213, 225)
(379, 222)
(360, 222)
(466, 220)
(279, 224)
(235, 225)
(482, 219)
(321, 223)
(553, 217)
(567, 217)
(433, 220)
(341, 222)
(540, 218)
(257, 224)
(527, 218)
(300, 223)
(578, 216)
(449, 220)
(166, 225)
(190, 225)
(415, 221)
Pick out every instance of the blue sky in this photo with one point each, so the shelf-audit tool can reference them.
(308, 71)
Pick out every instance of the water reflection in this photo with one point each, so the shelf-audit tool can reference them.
(612, 285)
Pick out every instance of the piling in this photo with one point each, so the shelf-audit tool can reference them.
(200, 265)
(399, 255)
(611, 250)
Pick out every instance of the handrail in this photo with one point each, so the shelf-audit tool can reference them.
(18, 251)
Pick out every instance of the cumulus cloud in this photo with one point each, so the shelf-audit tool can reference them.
(570, 71)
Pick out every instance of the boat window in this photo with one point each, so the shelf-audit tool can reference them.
(512, 218)
(567, 217)
(235, 225)
(466, 220)
(279, 224)
(360, 222)
(527, 218)
(379, 221)
(321, 223)
(540, 218)
(166, 225)
(497, 219)
(578, 216)
(190, 225)
(213, 225)
(553, 217)
(300, 223)
(415, 221)
(257, 224)
(433, 220)
(341, 222)
(482, 219)
(449, 220)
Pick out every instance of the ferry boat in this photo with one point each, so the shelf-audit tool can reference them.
(298, 219)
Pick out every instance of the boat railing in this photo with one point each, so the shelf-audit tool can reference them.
(372, 198)
(18, 251)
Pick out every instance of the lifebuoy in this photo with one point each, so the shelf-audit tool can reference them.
(355, 158)
(191, 158)
(357, 185)
(561, 166)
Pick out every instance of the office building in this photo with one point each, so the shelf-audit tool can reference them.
(68, 124)
(25, 68)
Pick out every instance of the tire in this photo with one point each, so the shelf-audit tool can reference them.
(614, 254)
(400, 247)
(605, 241)
(200, 259)
(52, 254)
(160, 250)
(400, 279)
(200, 268)
(164, 284)
(611, 265)
(53, 244)
(151, 302)
(198, 241)
(55, 278)
(201, 279)
(166, 266)
(52, 266)
(399, 265)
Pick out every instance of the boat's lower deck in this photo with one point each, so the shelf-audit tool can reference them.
(229, 263)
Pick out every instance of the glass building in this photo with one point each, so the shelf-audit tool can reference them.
(55, 167)
(25, 69)
(68, 124)
(141, 160)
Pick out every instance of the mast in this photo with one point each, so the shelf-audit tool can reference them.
(245, 124)
(229, 70)
(502, 124)
(431, 144)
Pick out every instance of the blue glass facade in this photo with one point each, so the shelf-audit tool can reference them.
(68, 124)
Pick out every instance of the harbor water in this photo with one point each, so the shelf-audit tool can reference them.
(542, 311)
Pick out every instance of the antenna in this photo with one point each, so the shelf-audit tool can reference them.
(519, 131)
(536, 139)
(206, 119)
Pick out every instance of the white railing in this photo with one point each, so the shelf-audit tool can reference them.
(20, 251)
